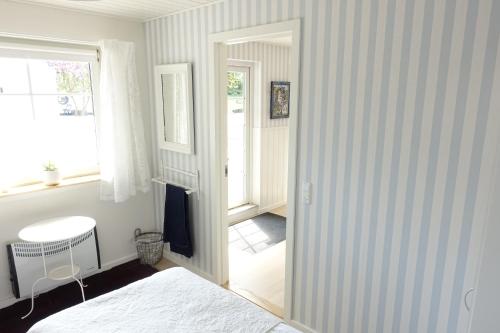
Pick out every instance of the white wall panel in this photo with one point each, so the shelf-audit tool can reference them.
(274, 165)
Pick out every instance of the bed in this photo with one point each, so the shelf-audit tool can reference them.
(174, 301)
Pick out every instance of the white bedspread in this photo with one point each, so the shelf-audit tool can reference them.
(174, 300)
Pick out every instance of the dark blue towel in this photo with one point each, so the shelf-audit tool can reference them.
(176, 221)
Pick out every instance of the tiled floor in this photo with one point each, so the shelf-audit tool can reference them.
(258, 233)
(246, 235)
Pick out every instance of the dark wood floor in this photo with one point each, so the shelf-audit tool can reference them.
(69, 295)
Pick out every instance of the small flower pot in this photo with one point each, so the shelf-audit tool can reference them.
(51, 178)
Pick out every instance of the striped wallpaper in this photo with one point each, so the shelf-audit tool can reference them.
(398, 117)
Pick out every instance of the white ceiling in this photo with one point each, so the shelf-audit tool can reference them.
(141, 10)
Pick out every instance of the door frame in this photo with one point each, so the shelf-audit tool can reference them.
(247, 67)
(217, 109)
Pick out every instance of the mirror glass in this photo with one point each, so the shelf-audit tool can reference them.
(175, 111)
(174, 107)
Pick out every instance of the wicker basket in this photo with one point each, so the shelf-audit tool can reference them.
(149, 246)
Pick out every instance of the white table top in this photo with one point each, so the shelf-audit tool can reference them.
(57, 229)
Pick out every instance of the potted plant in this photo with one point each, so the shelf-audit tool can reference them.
(51, 175)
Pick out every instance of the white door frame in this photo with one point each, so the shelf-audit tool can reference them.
(217, 108)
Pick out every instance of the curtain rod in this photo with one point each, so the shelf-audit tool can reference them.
(49, 40)
(55, 43)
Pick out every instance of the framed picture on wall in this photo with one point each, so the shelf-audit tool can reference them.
(280, 99)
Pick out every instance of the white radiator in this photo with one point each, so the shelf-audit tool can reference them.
(25, 261)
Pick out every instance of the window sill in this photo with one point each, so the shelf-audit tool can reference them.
(15, 191)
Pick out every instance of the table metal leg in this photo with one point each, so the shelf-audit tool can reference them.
(81, 279)
(33, 297)
(78, 280)
(73, 271)
(36, 282)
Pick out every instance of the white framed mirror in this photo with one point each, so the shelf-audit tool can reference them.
(174, 107)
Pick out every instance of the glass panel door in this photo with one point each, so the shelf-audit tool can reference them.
(237, 135)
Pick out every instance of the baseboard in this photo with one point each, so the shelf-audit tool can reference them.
(271, 207)
(245, 215)
(252, 212)
(116, 262)
(301, 327)
(104, 267)
(168, 255)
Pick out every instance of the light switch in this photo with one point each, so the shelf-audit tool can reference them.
(306, 193)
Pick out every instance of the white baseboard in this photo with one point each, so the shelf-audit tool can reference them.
(116, 262)
(252, 212)
(187, 265)
(301, 327)
(244, 215)
(269, 208)
(104, 267)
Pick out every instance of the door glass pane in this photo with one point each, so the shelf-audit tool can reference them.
(237, 136)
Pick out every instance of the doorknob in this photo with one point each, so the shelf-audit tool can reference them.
(225, 170)
(466, 297)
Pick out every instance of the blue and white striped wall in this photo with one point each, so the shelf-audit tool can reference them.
(399, 111)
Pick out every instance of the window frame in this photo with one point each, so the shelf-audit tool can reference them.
(22, 49)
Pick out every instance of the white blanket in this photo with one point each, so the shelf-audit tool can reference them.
(174, 300)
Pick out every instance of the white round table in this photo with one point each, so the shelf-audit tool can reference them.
(60, 229)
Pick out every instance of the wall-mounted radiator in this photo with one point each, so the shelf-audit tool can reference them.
(25, 261)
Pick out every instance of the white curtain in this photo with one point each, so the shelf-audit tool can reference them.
(122, 149)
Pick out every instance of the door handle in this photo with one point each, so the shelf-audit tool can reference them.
(466, 297)
(225, 170)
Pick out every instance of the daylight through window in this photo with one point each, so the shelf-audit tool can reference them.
(46, 115)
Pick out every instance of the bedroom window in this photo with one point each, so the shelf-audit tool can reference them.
(46, 115)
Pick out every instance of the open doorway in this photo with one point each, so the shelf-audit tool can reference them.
(258, 80)
(255, 159)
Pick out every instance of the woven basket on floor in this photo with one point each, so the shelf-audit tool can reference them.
(149, 246)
